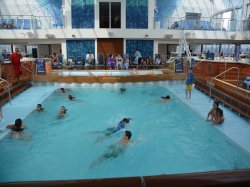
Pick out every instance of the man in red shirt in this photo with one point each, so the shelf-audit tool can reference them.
(16, 63)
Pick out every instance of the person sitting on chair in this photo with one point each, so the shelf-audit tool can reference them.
(89, 59)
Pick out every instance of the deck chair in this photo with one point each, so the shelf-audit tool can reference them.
(89, 61)
(78, 63)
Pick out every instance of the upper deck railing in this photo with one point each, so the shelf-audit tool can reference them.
(29, 22)
(21, 22)
(204, 23)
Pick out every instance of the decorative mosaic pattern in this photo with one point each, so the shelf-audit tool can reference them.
(146, 47)
(79, 48)
(82, 12)
(137, 14)
(53, 8)
(164, 9)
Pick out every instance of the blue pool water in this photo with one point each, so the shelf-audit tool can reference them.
(167, 137)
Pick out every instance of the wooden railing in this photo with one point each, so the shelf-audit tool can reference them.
(232, 178)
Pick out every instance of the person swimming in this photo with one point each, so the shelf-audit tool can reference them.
(165, 98)
(120, 126)
(122, 90)
(109, 131)
(62, 112)
(71, 98)
(39, 108)
(114, 150)
(62, 90)
(17, 127)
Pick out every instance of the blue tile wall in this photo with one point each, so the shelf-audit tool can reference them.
(77, 48)
(165, 8)
(137, 14)
(146, 47)
(53, 8)
(82, 13)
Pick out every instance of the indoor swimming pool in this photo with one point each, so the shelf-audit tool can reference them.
(167, 138)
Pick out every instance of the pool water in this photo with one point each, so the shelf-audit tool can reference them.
(168, 138)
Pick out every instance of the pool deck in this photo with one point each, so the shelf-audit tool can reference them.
(234, 126)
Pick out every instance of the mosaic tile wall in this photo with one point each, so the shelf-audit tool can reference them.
(146, 47)
(137, 14)
(79, 48)
(53, 8)
(165, 8)
(82, 13)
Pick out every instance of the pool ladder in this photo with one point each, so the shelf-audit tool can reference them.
(8, 86)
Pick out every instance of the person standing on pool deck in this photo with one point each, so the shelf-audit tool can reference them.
(15, 59)
(189, 83)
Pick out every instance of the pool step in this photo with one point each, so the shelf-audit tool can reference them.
(15, 89)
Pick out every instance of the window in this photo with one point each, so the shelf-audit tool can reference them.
(248, 11)
(110, 14)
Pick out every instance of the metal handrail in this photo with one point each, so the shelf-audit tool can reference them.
(210, 92)
(3, 80)
(198, 63)
(32, 72)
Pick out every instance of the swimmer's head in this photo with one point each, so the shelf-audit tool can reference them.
(122, 89)
(62, 90)
(128, 134)
(126, 120)
(166, 97)
(39, 106)
(18, 123)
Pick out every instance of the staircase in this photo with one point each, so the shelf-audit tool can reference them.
(10, 90)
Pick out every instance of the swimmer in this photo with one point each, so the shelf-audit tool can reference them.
(62, 90)
(122, 90)
(165, 99)
(16, 128)
(71, 98)
(114, 150)
(109, 131)
(216, 114)
(120, 126)
(39, 108)
(62, 112)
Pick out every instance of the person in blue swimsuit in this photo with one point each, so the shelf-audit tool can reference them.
(109, 131)
(121, 125)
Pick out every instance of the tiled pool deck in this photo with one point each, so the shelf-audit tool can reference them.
(235, 127)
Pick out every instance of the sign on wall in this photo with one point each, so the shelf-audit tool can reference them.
(179, 65)
(40, 64)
